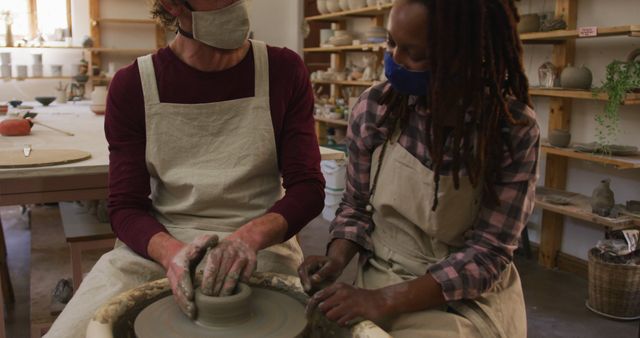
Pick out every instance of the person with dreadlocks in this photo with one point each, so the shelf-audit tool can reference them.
(441, 180)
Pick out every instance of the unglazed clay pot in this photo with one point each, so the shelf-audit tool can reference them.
(344, 4)
(529, 23)
(224, 311)
(559, 138)
(576, 78)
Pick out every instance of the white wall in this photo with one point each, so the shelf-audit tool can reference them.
(596, 54)
(278, 22)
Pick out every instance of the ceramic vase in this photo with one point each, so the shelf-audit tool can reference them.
(602, 199)
(576, 78)
(529, 23)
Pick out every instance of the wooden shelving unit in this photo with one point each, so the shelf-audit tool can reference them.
(135, 51)
(562, 36)
(96, 29)
(44, 47)
(631, 99)
(346, 83)
(368, 47)
(123, 21)
(579, 208)
(341, 16)
(334, 122)
(40, 78)
(319, 57)
(619, 162)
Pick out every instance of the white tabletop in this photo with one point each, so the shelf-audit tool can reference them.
(89, 136)
(73, 117)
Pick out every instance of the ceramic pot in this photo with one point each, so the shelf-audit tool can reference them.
(547, 75)
(559, 138)
(357, 4)
(576, 78)
(529, 23)
(223, 311)
(333, 6)
(602, 199)
(344, 5)
(322, 6)
(5, 58)
(372, 3)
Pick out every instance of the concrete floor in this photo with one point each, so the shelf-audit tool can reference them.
(555, 300)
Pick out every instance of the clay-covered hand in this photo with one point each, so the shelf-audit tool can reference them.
(231, 261)
(317, 272)
(344, 304)
(181, 270)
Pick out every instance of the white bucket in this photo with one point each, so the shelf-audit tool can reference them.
(335, 174)
(329, 212)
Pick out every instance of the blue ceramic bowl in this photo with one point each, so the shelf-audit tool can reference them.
(15, 103)
(45, 100)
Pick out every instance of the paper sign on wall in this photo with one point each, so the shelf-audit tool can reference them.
(587, 32)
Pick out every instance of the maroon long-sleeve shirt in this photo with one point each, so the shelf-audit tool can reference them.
(291, 113)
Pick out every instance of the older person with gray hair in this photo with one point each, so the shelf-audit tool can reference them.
(200, 134)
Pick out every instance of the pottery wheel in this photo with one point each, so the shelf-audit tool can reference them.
(273, 314)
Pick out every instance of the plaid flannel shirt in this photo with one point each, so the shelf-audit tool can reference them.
(475, 268)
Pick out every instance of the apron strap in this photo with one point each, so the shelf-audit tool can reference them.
(148, 79)
(261, 63)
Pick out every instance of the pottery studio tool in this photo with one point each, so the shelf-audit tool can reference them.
(31, 116)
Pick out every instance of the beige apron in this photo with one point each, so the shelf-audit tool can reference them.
(213, 168)
(409, 237)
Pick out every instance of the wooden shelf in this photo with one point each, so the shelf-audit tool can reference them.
(343, 123)
(358, 48)
(40, 78)
(339, 16)
(346, 83)
(620, 162)
(632, 98)
(560, 36)
(44, 47)
(123, 21)
(579, 208)
(140, 51)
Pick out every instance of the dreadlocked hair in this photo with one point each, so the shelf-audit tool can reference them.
(475, 58)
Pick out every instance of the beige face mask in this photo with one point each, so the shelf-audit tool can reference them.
(226, 28)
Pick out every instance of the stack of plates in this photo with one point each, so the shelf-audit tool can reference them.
(375, 34)
(341, 38)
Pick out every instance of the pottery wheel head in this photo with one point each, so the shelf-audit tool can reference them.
(252, 312)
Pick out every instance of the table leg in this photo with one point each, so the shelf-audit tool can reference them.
(7, 288)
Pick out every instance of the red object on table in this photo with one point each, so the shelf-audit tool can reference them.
(15, 127)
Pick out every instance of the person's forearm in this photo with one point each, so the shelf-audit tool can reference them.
(263, 231)
(342, 250)
(162, 247)
(416, 295)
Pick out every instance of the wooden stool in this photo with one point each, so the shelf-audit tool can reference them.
(83, 232)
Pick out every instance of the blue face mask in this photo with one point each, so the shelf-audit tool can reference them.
(406, 81)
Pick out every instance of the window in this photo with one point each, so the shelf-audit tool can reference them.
(53, 20)
(18, 12)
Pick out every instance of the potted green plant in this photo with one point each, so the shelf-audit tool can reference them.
(621, 79)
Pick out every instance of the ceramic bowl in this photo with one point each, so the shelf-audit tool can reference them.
(45, 100)
(322, 7)
(344, 4)
(333, 6)
(559, 138)
(15, 103)
(98, 109)
(357, 4)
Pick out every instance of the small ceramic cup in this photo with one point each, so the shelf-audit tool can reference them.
(559, 138)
